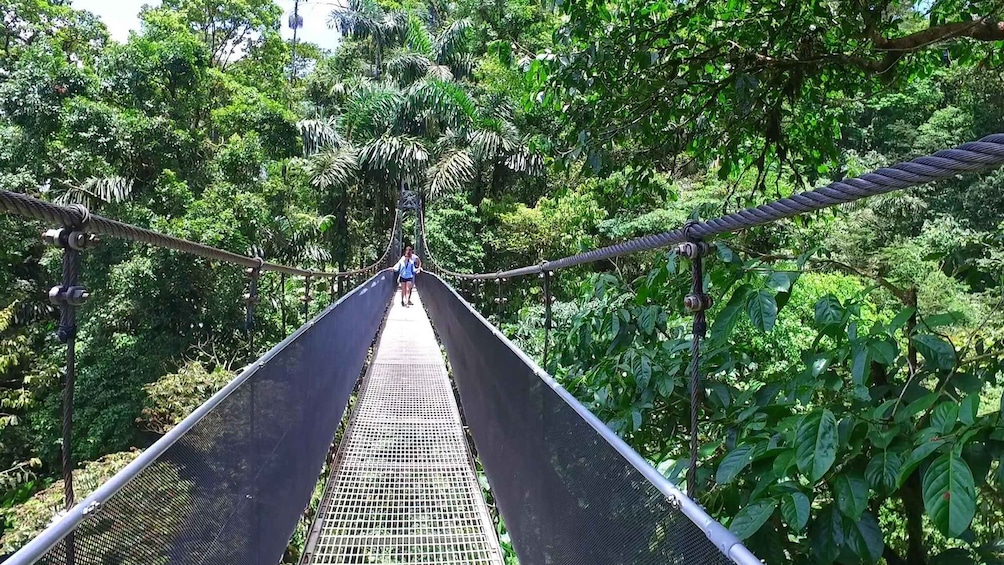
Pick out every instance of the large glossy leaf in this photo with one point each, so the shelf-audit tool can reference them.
(851, 494)
(950, 494)
(827, 535)
(829, 311)
(795, 510)
(816, 443)
(945, 416)
(727, 318)
(882, 471)
(751, 517)
(762, 310)
(936, 351)
(733, 462)
(969, 409)
(916, 457)
(863, 538)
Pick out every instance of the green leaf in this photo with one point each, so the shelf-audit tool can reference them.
(863, 537)
(783, 462)
(795, 510)
(945, 416)
(647, 318)
(827, 535)
(950, 494)
(860, 365)
(726, 320)
(781, 282)
(851, 494)
(916, 457)
(816, 444)
(882, 351)
(644, 374)
(882, 471)
(762, 310)
(969, 409)
(829, 312)
(751, 517)
(936, 351)
(901, 318)
(734, 462)
(636, 418)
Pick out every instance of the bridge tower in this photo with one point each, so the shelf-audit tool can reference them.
(409, 202)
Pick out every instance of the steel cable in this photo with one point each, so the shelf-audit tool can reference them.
(978, 156)
(77, 216)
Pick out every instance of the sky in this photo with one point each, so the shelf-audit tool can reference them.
(121, 16)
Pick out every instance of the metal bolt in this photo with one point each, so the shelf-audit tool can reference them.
(80, 240)
(697, 302)
(77, 295)
(674, 502)
(93, 508)
(51, 237)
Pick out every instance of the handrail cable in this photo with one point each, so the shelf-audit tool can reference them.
(978, 156)
(78, 216)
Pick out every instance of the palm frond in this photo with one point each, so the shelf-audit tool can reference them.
(490, 145)
(452, 139)
(396, 157)
(446, 102)
(334, 169)
(441, 73)
(95, 191)
(450, 174)
(418, 38)
(451, 41)
(318, 135)
(371, 111)
(407, 67)
(523, 162)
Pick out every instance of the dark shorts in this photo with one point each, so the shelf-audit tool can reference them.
(406, 279)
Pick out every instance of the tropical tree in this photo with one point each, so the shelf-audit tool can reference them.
(366, 20)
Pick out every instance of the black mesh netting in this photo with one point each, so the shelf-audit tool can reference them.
(232, 489)
(566, 494)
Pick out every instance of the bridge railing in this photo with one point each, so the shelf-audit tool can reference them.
(570, 490)
(230, 482)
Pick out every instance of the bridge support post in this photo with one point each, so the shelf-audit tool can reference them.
(698, 303)
(251, 301)
(306, 298)
(547, 274)
(69, 296)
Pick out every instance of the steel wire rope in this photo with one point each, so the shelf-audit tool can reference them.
(31, 207)
(977, 156)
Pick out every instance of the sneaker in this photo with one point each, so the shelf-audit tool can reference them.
(409, 303)
(402, 303)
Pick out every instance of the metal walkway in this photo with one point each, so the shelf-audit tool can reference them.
(403, 487)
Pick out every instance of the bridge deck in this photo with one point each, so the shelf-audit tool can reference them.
(403, 488)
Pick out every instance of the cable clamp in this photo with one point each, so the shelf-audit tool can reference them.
(70, 296)
(67, 238)
(698, 302)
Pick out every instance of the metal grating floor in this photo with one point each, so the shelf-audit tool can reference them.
(403, 489)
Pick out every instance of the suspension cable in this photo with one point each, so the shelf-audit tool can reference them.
(31, 207)
(978, 156)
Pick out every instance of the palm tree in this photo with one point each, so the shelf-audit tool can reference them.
(419, 126)
(366, 20)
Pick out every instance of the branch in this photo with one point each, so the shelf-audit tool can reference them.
(980, 30)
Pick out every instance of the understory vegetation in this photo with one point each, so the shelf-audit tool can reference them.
(852, 406)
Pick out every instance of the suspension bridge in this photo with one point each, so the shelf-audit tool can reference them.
(230, 482)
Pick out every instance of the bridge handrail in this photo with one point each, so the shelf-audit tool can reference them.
(76, 216)
(978, 156)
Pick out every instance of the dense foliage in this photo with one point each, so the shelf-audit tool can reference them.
(852, 396)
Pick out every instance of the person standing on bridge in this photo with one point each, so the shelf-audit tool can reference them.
(407, 267)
